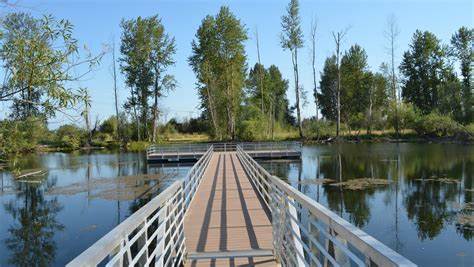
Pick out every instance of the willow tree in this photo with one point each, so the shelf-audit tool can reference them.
(219, 62)
(40, 59)
(292, 39)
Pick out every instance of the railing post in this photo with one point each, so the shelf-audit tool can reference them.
(161, 234)
(295, 231)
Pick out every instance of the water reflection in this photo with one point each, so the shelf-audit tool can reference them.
(43, 224)
(31, 235)
(430, 187)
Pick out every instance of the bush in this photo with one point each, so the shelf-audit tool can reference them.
(109, 126)
(70, 136)
(137, 146)
(318, 128)
(405, 113)
(435, 124)
(251, 130)
(21, 136)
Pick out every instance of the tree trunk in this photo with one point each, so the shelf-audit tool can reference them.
(118, 129)
(155, 106)
(297, 92)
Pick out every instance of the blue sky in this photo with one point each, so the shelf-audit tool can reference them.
(97, 22)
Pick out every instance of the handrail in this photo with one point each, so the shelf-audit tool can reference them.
(307, 233)
(230, 146)
(154, 233)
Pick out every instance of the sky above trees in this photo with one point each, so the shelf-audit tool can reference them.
(98, 22)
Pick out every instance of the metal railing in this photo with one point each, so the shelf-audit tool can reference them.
(195, 149)
(305, 233)
(153, 235)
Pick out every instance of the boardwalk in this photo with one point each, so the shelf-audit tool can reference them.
(227, 215)
(229, 211)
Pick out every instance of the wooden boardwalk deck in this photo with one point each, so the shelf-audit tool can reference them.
(226, 215)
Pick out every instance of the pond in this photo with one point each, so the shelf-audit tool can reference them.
(416, 198)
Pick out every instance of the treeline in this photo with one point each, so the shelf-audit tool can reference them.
(42, 64)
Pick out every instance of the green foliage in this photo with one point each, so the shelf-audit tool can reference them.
(327, 96)
(319, 129)
(70, 136)
(425, 71)
(147, 51)
(219, 62)
(462, 43)
(109, 126)
(405, 115)
(40, 59)
(137, 146)
(435, 124)
(269, 94)
(21, 136)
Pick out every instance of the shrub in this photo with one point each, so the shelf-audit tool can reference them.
(137, 146)
(318, 128)
(405, 113)
(435, 124)
(70, 136)
(21, 136)
(251, 130)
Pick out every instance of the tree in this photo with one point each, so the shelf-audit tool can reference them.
(86, 114)
(422, 66)
(462, 43)
(274, 99)
(162, 51)
(219, 61)
(134, 63)
(314, 27)
(292, 39)
(338, 38)
(147, 52)
(391, 34)
(40, 59)
(118, 132)
(327, 97)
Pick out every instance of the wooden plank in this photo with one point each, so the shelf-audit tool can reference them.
(227, 215)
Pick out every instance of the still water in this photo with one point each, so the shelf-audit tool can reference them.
(421, 211)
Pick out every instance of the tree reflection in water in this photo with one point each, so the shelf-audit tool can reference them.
(430, 205)
(31, 236)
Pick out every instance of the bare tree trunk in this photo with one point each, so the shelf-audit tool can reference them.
(313, 63)
(118, 129)
(211, 110)
(137, 119)
(88, 123)
(297, 91)
(392, 34)
(338, 37)
(260, 72)
(155, 106)
(369, 123)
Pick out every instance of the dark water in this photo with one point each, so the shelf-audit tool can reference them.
(416, 214)
(43, 227)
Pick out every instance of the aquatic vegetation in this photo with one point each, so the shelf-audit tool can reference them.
(443, 180)
(317, 181)
(120, 188)
(362, 183)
